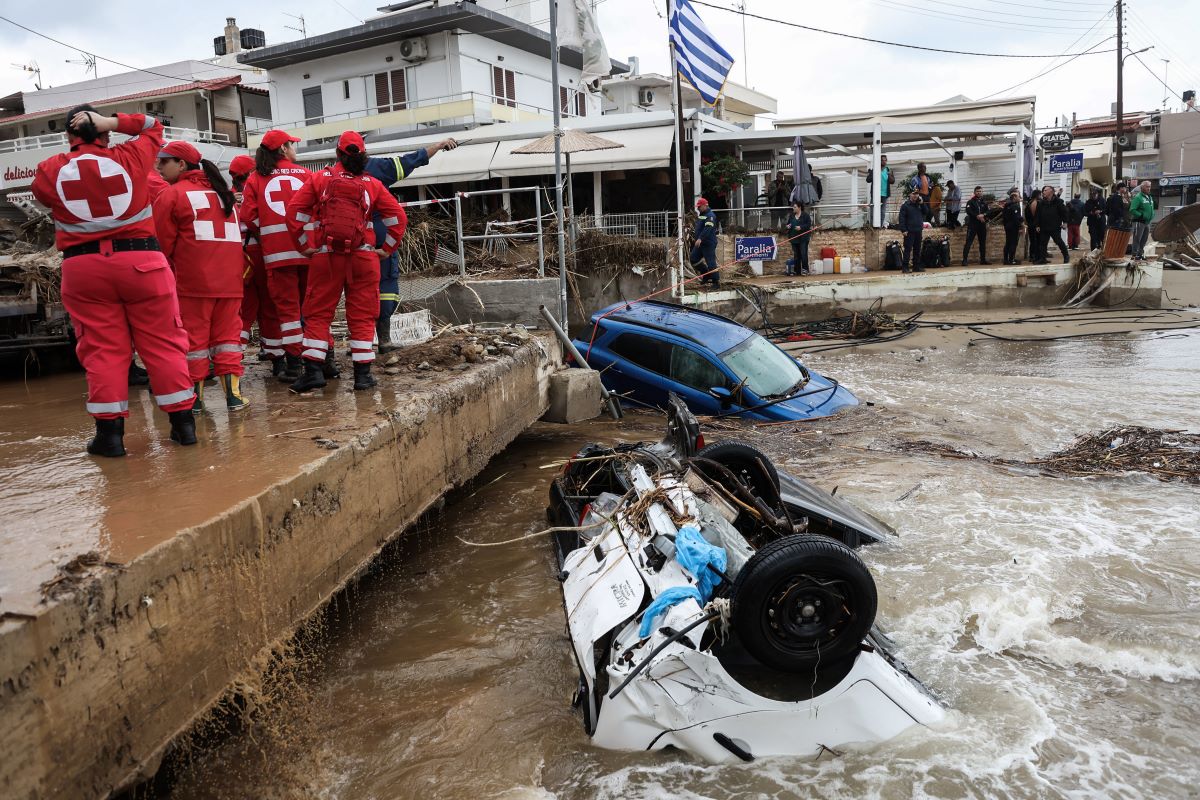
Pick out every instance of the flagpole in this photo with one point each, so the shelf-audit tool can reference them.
(558, 167)
(676, 100)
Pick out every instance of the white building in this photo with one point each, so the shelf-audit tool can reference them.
(645, 93)
(415, 71)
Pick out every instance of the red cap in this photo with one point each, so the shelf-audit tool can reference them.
(701, 202)
(241, 166)
(181, 150)
(275, 139)
(351, 139)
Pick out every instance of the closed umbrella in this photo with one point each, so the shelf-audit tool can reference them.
(804, 190)
(1029, 177)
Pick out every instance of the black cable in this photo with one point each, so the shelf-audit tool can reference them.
(884, 41)
(1077, 335)
(713, 614)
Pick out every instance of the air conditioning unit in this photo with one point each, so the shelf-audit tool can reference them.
(645, 97)
(414, 49)
(156, 107)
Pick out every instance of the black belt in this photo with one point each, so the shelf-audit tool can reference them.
(118, 246)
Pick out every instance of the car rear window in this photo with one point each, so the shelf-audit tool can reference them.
(652, 354)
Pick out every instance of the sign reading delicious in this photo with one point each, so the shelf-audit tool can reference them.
(17, 175)
(754, 248)
(1056, 141)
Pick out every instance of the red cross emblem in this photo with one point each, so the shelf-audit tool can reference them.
(94, 187)
(279, 190)
(209, 223)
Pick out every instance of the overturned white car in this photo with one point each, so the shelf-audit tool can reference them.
(717, 606)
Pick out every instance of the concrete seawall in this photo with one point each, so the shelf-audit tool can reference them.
(97, 683)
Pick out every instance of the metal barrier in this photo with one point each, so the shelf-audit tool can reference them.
(60, 139)
(771, 219)
(652, 224)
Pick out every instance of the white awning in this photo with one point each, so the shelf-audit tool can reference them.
(1097, 154)
(467, 162)
(644, 148)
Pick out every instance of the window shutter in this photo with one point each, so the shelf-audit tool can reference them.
(498, 83)
(382, 98)
(399, 90)
(510, 86)
(581, 104)
(563, 105)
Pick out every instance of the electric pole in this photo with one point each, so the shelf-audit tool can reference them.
(1120, 90)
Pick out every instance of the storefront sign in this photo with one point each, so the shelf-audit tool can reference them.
(1056, 141)
(1061, 163)
(754, 248)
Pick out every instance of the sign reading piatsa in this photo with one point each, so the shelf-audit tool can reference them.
(1056, 141)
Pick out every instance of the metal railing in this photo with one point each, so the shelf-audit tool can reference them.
(373, 110)
(770, 219)
(651, 224)
(60, 139)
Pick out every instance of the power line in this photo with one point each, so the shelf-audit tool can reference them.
(1068, 47)
(1007, 14)
(888, 43)
(1181, 62)
(1035, 29)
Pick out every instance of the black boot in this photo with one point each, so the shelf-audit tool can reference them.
(137, 376)
(330, 368)
(109, 438)
(362, 376)
(384, 332)
(183, 427)
(278, 367)
(292, 368)
(313, 378)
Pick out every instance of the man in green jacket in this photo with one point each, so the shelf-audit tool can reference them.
(1141, 211)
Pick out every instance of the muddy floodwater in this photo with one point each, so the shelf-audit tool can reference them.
(1057, 617)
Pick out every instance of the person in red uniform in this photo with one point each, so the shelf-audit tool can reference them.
(330, 218)
(198, 229)
(276, 178)
(257, 304)
(116, 284)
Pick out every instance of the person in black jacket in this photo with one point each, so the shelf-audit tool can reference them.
(1116, 210)
(1093, 212)
(912, 222)
(1051, 216)
(1014, 219)
(976, 226)
(1032, 242)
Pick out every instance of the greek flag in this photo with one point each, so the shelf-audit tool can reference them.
(698, 57)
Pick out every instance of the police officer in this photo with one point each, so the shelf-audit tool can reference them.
(976, 226)
(704, 247)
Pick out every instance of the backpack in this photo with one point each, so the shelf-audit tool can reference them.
(893, 255)
(944, 252)
(929, 253)
(343, 213)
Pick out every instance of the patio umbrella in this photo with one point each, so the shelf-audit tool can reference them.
(804, 190)
(573, 141)
(1180, 225)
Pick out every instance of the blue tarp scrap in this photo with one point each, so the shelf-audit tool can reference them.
(695, 555)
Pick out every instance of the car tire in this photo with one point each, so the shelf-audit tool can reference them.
(741, 459)
(803, 600)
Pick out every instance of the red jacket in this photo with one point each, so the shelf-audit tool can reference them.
(203, 244)
(304, 212)
(264, 212)
(96, 192)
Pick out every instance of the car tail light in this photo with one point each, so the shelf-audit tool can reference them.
(699, 441)
(570, 359)
(583, 514)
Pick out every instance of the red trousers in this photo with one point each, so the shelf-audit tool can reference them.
(1072, 236)
(287, 287)
(328, 274)
(257, 305)
(212, 325)
(119, 301)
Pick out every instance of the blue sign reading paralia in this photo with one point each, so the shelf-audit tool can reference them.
(1062, 163)
(754, 248)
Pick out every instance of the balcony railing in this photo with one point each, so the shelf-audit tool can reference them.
(60, 139)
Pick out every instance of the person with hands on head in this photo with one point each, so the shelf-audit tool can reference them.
(197, 223)
(330, 218)
(116, 284)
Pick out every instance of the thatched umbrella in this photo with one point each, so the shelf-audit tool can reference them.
(573, 141)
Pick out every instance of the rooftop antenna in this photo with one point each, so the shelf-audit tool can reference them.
(35, 69)
(88, 62)
(302, 30)
(1167, 96)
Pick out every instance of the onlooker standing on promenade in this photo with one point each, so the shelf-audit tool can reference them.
(886, 180)
(1117, 208)
(799, 232)
(777, 197)
(921, 184)
(1074, 220)
(953, 200)
(912, 221)
(1051, 214)
(1141, 211)
(935, 203)
(1094, 211)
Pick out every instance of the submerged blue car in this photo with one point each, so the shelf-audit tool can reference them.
(645, 350)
